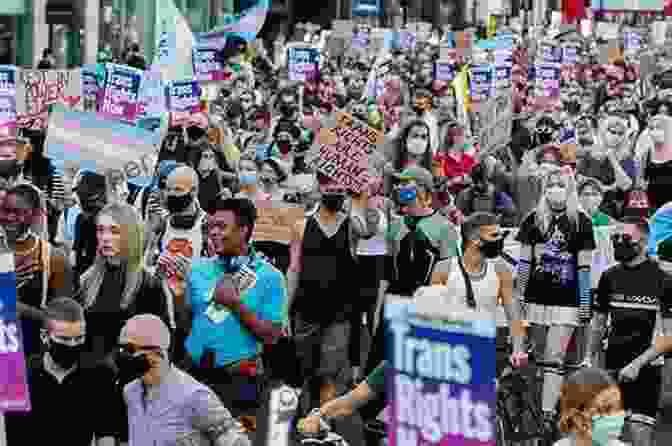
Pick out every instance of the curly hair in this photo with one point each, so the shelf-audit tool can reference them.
(577, 394)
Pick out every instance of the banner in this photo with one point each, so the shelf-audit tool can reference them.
(482, 82)
(276, 221)
(206, 66)
(441, 377)
(37, 90)
(7, 96)
(303, 63)
(13, 378)
(183, 96)
(245, 25)
(343, 152)
(121, 93)
(174, 50)
(96, 143)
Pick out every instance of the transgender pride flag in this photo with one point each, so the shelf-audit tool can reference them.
(245, 25)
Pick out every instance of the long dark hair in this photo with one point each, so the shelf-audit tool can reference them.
(401, 153)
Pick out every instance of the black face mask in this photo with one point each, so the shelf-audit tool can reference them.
(333, 202)
(287, 109)
(573, 107)
(92, 207)
(8, 168)
(625, 251)
(492, 248)
(183, 221)
(178, 203)
(132, 367)
(65, 355)
(544, 138)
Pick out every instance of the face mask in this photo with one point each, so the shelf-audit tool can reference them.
(591, 204)
(406, 195)
(132, 367)
(8, 168)
(492, 248)
(573, 107)
(416, 146)
(92, 207)
(607, 428)
(178, 203)
(657, 136)
(625, 251)
(248, 178)
(612, 139)
(544, 138)
(556, 196)
(65, 355)
(333, 202)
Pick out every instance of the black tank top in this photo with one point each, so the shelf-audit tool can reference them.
(659, 176)
(325, 291)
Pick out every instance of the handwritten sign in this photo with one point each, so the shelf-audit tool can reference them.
(444, 364)
(13, 379)
(183, 96)
(276, 221)
(7, 95)
(37, 90)
(121, 93)
(206, 66)
(303, 63)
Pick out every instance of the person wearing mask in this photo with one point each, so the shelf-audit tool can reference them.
(248, 178)
(135, 58)
(60, 388)
(591, 410)
(554, 274)
(631, 295)
(92, 195)
(456, 159)
(178, 240)
(422, 106)
(117, 186)
(116, 285)
(656, 163)
(173, 146)
(47, 62)
(323, 262)
(43, 272)
(410, 148)
(238, 302)
(10, 168)
(65, 232)
(165, 405)
(482, 196)
(481, 279)
(214, 174)
(590, 197)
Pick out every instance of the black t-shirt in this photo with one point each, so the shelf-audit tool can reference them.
(68, 413)
(553, 278)
(632, 297)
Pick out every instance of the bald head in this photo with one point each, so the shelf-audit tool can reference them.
(182, 179)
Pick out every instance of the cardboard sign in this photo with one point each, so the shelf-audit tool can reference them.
(206, 66)
(7, 96)
(37, 90)
(183, 96)
(342, 152)
(14, 395)
(121, 93)
(445, 362)
(96, 143)
(276, 221)
(303, 63)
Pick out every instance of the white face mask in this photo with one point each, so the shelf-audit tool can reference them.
(556, 196)
(612, 139)
(416, 146)
(657, 136)
(591, 203)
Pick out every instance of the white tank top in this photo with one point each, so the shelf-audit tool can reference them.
(187, 242)
(485, 286)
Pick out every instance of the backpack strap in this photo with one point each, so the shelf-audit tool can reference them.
(45, 260)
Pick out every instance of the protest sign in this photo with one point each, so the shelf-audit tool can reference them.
(551, 53)
(303, 63)
(94, 142)
(183, 96)
(36, 90)
(496, 122)
(206, 66)
(547, 80)
(444, 71)
(444, 359)
(482, 82)
(121, 93)
(276, 221)
(570, 55)
(13, 379)
(151, 96)
(7, 96)
(342, 152)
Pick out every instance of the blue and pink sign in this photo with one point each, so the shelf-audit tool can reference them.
(207, 67)
(183, 96)
(442, 380)
(13, 379)
(7, 96)
(121, 93)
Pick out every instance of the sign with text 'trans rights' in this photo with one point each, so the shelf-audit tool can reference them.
(441, 377)
(13, 379)
(121, 93)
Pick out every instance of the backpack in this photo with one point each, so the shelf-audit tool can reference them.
(415, 260)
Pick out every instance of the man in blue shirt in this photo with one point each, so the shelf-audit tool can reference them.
(238, 302)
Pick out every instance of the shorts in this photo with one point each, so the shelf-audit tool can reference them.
(643, 395)
(322, 351)
(552, 315)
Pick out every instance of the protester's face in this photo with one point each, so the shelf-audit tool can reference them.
(119, 187)
(590, 199)
(607, 403)
(417, 142)
(208, 162)
(226, 235)
(269, 175)
(246, 101)
(67, 332)
(133, 169)
(16, 216)
(284, 141)
(178, 184)
(109, 236)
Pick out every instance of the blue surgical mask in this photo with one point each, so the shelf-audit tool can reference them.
(406, 195)
(248, 178)
(607, 428)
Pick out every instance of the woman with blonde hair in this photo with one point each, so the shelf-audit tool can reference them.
(117, 185)
(554, 274)
(116, 286)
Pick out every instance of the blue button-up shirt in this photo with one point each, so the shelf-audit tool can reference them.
(178, 411)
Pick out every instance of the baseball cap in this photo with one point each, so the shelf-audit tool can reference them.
(422, 177)
(147, 330)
